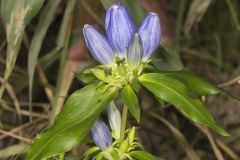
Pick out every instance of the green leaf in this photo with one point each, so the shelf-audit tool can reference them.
(78, 115)
(193, 82)
(99, 156)
(131, 101)
(39, 34)
(86, 76)
(29, 8)
(135, 84)
(16, 15)
(175, 92)
(90, 151)
(131, 135)
(38, 37)
(115, 154)
(100, 74)
(142, 155)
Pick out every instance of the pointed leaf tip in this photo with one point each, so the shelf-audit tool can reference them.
(177, 93)
(79, 113)
(131, 101)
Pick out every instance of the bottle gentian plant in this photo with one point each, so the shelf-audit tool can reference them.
(125, 66)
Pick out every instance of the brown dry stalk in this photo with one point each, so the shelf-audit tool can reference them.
(70, 68)
(179, 136)
(21, 127)
(16, 129)
(25, 113)
(211, 139)
(24, 139)
(44, 82)
(230, 82)
(227, 149)
(35, 104)
(13, 96)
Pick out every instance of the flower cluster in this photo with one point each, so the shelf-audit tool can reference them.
(123, 40)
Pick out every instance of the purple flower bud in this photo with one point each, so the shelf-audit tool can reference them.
(119, 28)
(149, 32)
(101, 135)
(98, 45)
(114, 118)
(134, 54)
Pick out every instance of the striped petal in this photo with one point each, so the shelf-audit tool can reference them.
(134, 55)
(114, 118)
(101, 135)
(119, 28)
(98, 45)
(149, 32)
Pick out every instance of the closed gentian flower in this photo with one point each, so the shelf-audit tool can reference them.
(135, 52)
(119, 28)
(122, 38)
(101, 135)
(98, 45)
(149, 32)
(114, 118)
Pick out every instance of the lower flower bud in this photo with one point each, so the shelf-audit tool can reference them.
(101, 135)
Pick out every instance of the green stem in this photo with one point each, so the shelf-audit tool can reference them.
(124, 122)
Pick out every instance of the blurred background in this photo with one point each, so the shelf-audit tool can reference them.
(201, 35)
